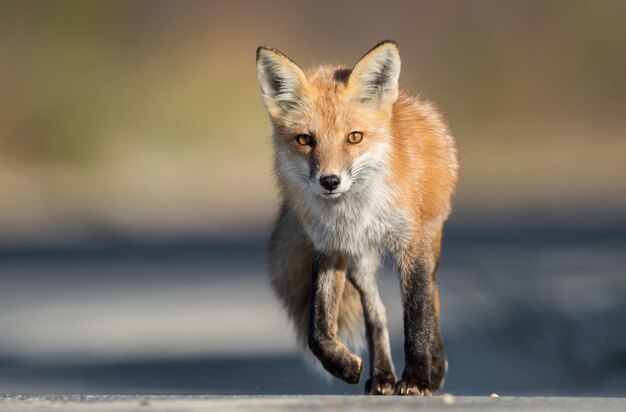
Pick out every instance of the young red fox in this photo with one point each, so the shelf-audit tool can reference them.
(362, 169)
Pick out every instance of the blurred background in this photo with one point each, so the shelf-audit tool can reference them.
(128, 264)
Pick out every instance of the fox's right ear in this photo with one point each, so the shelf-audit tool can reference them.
(282, 81)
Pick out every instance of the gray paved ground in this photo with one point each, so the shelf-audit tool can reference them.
(304, 403)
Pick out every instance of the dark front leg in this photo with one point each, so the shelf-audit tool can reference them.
(328, 275)
(416, 287)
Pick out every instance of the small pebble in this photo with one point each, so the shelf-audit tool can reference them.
(447, 399)
(494, 395)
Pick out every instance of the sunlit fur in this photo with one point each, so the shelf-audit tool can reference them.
(396, 184)
(384, 189)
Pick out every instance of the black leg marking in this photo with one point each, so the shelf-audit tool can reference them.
(438, 356)
(416, 285)
(328, 283)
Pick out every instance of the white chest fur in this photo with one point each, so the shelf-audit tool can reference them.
(356, 222)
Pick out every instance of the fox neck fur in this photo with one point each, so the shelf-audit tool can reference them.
(361, 220)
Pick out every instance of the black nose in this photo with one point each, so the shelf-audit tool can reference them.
(330, 182)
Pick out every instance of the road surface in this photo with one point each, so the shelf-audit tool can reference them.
(303, 403)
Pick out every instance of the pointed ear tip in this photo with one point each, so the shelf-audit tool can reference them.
(267, 50)
(387, 43)
(262, 49)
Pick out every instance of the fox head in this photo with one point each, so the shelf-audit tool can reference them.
(332, 125)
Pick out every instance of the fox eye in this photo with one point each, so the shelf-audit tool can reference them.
(304, 139)
(355, 137)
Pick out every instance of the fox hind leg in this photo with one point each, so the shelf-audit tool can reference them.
(437, 351)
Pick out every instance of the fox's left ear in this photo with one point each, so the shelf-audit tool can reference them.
(374, 78)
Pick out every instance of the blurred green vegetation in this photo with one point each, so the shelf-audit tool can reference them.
(120, 114)
(81, 74)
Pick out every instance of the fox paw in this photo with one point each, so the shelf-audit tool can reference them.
(381, 384)
(410, 387)
(348, 370)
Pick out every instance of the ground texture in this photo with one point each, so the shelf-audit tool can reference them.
(16, 403)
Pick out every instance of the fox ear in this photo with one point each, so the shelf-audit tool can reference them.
(374, 78)
(282, 81)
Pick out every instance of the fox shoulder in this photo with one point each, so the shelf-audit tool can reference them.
(424, 159)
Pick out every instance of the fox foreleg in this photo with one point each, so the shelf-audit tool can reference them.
(416, 285)
(328, 274)
(362, 274)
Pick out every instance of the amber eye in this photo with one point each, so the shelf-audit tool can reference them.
(304, 139)
(355, 137)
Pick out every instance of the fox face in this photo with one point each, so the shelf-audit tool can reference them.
(332, 126)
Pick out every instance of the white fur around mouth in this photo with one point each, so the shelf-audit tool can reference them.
(331, 195)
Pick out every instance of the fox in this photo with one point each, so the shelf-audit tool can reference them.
(363, 169)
